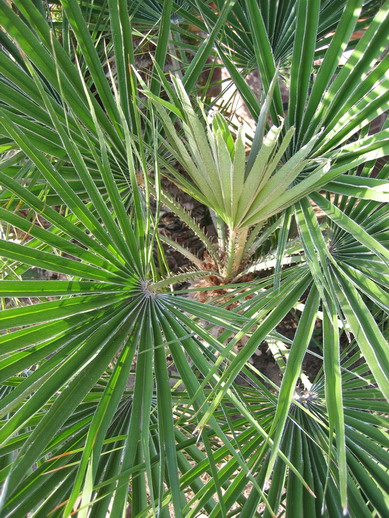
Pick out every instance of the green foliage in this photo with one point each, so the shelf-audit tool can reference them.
(119, 392)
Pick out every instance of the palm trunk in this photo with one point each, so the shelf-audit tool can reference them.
(236, 245)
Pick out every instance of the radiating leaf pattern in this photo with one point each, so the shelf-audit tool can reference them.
(120, 394)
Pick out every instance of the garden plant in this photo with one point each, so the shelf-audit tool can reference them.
(129, 386)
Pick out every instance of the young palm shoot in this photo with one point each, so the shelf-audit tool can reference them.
(242, 189)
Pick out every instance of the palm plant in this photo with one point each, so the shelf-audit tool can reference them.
(242, 194)
(116, 395)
